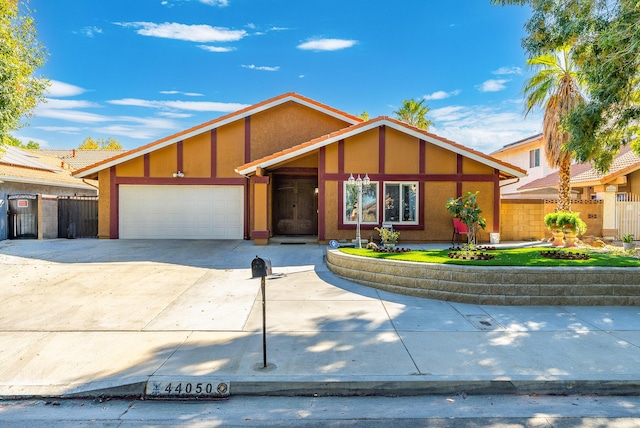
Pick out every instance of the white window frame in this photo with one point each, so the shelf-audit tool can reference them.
(401, 202)
(347, 219)
(534, 158)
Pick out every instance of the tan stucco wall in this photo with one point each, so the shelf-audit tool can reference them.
(437, 221)
(361, 153)
(485, 201)
(287, 125)
(230, 147)
(402, 153)
(104, 204)
(132, 168)
(439, 160)
(163, 162)
(470, 166)
(331, 159)
(196, 156)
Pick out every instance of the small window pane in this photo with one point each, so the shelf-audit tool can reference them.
(369, 203)
(392, 203)
(409, 202)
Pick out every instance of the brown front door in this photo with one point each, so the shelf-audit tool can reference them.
(295, 206)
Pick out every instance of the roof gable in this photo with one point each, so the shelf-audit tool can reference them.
(207, 126)
(309, 146)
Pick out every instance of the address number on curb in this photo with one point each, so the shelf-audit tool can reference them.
(187, 389)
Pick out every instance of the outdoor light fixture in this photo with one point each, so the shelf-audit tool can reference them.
(178, 174)
(359, 182)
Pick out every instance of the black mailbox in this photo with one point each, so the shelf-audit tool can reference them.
(260, 267)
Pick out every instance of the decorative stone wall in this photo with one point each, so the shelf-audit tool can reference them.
(495, 285)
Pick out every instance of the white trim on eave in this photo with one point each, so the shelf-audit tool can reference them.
(375, 123)
(216, 124)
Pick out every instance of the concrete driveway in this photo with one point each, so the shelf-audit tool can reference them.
(108, 317)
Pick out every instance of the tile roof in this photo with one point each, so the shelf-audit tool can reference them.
(533, 139)
(284, 155)
(92, 170)
(43, 169)
(78, 159)
(624, 163)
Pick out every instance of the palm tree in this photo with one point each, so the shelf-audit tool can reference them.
(556, 86)
(413, 112)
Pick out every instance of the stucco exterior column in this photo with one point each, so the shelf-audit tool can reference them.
(608, 210)
(260, 205)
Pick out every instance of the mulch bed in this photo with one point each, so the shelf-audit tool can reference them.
(564, 255)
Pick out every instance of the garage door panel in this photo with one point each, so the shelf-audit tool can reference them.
(181, 212)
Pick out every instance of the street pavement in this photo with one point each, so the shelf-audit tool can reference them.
(153, 318)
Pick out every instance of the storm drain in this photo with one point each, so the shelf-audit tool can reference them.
(483, 322)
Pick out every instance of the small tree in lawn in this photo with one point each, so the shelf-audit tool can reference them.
(467, 210)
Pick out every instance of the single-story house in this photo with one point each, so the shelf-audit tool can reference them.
(281, 168)
(26, 176)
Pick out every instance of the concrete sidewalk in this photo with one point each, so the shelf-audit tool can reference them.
(101, 317)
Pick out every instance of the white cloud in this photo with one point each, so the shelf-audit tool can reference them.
(441, 95)
(70, 115)
(61, 129)
(173, 115)
(215, 48)
(327, 44)
(192, 33)
(508, 70)
(61, 89)
(52, 103)
(181, 105)
(493, 85)
(484, 128)
(188, 94)
(263, 68)
(221, 3)
(90, 31)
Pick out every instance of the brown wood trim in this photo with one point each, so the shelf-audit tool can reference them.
(214, 152)
(180, 181)
(322, 159)
(382, 142)
(459, 160)
(423, 156)
(341, 157)
(296, 171)
(257, 179)
(247, 205)
(147, 164)
(420, 177)
(114, 214)
(260, 234)
(180, 155)
(247, 139)
(496, 201)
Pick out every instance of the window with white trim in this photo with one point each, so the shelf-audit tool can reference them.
(369, 203)
(534, 158)
(401, 202)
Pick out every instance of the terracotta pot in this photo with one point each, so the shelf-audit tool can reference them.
(558, 234)
(569, 238)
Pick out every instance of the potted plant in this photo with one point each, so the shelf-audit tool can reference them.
(627, 242)
(572, 225)
(388, 236)
(551, 220)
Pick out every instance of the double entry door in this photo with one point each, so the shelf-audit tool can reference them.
(295, 205)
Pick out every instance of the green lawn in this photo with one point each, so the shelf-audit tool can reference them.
(529, 256)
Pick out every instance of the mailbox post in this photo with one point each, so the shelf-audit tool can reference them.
(261, 267)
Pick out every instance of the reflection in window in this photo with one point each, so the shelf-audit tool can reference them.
(401, 202)
(369, 203)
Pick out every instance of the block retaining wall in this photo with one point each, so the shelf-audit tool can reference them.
(495, 285)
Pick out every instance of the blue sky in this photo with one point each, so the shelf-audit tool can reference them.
(139, 70)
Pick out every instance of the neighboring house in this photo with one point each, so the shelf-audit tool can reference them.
(280, 167)
(25, 176)
(75, 159)
(527, 154)
(620, 184)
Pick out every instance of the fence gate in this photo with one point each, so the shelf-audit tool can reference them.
(628, 214)
(77, 217)
(23, 216)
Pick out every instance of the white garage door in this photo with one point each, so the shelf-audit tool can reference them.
(181, 212)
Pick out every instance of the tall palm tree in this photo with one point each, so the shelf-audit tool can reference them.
(413, 112)
(556, 87)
